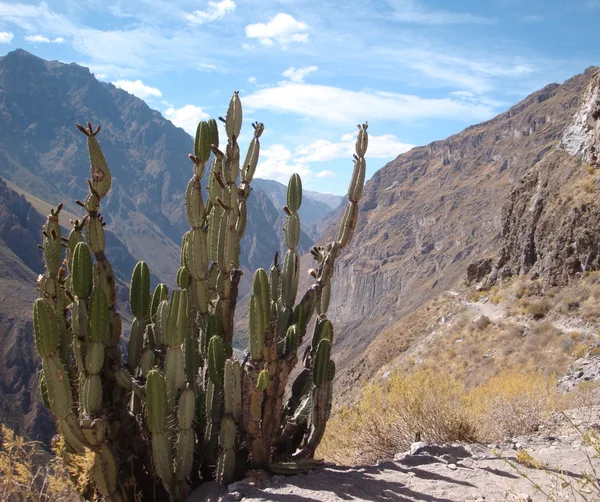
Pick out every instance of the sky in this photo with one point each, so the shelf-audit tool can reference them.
(311, 70)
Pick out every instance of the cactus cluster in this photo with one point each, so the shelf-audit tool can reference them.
(180, 409)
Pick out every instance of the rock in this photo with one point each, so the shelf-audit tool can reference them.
(208, 492)
(417, 447)
(481, 321)
(478, 270)
(452, 467)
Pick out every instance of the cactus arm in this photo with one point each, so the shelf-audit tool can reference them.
(182, 385)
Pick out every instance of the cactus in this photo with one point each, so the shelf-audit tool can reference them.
(183, 409)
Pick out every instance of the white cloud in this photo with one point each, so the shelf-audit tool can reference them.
(41, 39)
(533, 18)
(120, 53)
(385, 146)
(279, 164)
(411, 11)
(186, 117)
(282, 29)
(6, 37)
(252, 80)
(443, 66)
(214, 11)
(333, 104)
(206, 67)
(38, 39)
(297, 75)
(138, 88)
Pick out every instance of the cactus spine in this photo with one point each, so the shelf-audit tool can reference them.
(183, 405)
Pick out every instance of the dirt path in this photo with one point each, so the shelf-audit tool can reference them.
(449, 473)
(491, 311)
(563, 323)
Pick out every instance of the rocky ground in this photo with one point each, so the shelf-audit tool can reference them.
(444, 473)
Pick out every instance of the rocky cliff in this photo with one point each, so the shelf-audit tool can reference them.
(20, 262)
(437, 208)
(551, 219)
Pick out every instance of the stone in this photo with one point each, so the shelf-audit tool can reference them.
(481, 321)
(208, 492)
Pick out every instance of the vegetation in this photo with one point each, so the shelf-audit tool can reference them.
(182, 409)
(436, 407)
(27, 474)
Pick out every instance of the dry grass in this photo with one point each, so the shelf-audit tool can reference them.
(474, 354)
(387, 418)
(512, 404)
(27, 473)
(436, 407)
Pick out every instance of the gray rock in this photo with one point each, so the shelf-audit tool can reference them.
(208, 492)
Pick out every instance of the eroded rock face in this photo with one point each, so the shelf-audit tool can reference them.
(20, 227)
(20, 262)
(551, 218)
(432, 211)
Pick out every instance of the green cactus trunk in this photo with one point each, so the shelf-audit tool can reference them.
(183, 409)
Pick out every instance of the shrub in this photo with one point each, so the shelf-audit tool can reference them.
(26, 475)
(386, 420)
(436, 406)
(512, 403)
(538, 308)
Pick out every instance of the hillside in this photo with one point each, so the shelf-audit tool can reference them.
(42, 153)
(432, 211)
(315, 205)
(20, 263)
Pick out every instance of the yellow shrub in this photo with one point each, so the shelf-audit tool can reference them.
(538, 308)
(435, 406)
(512, 403)
(27, 475)
(525, 458)
(580, 350)
(477, 295)
(385, 421)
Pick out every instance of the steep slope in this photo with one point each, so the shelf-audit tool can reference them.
(315, 206)
(42, 153)
(20, 262)
(429, 213)
(551, 219)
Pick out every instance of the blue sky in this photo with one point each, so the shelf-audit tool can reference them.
(417, 70)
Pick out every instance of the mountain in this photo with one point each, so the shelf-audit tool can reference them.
(42, 153)
(432, 211)
(20, 263)
(315, 206)
(333, 201)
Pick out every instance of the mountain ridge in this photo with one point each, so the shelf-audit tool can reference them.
(428, 213)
